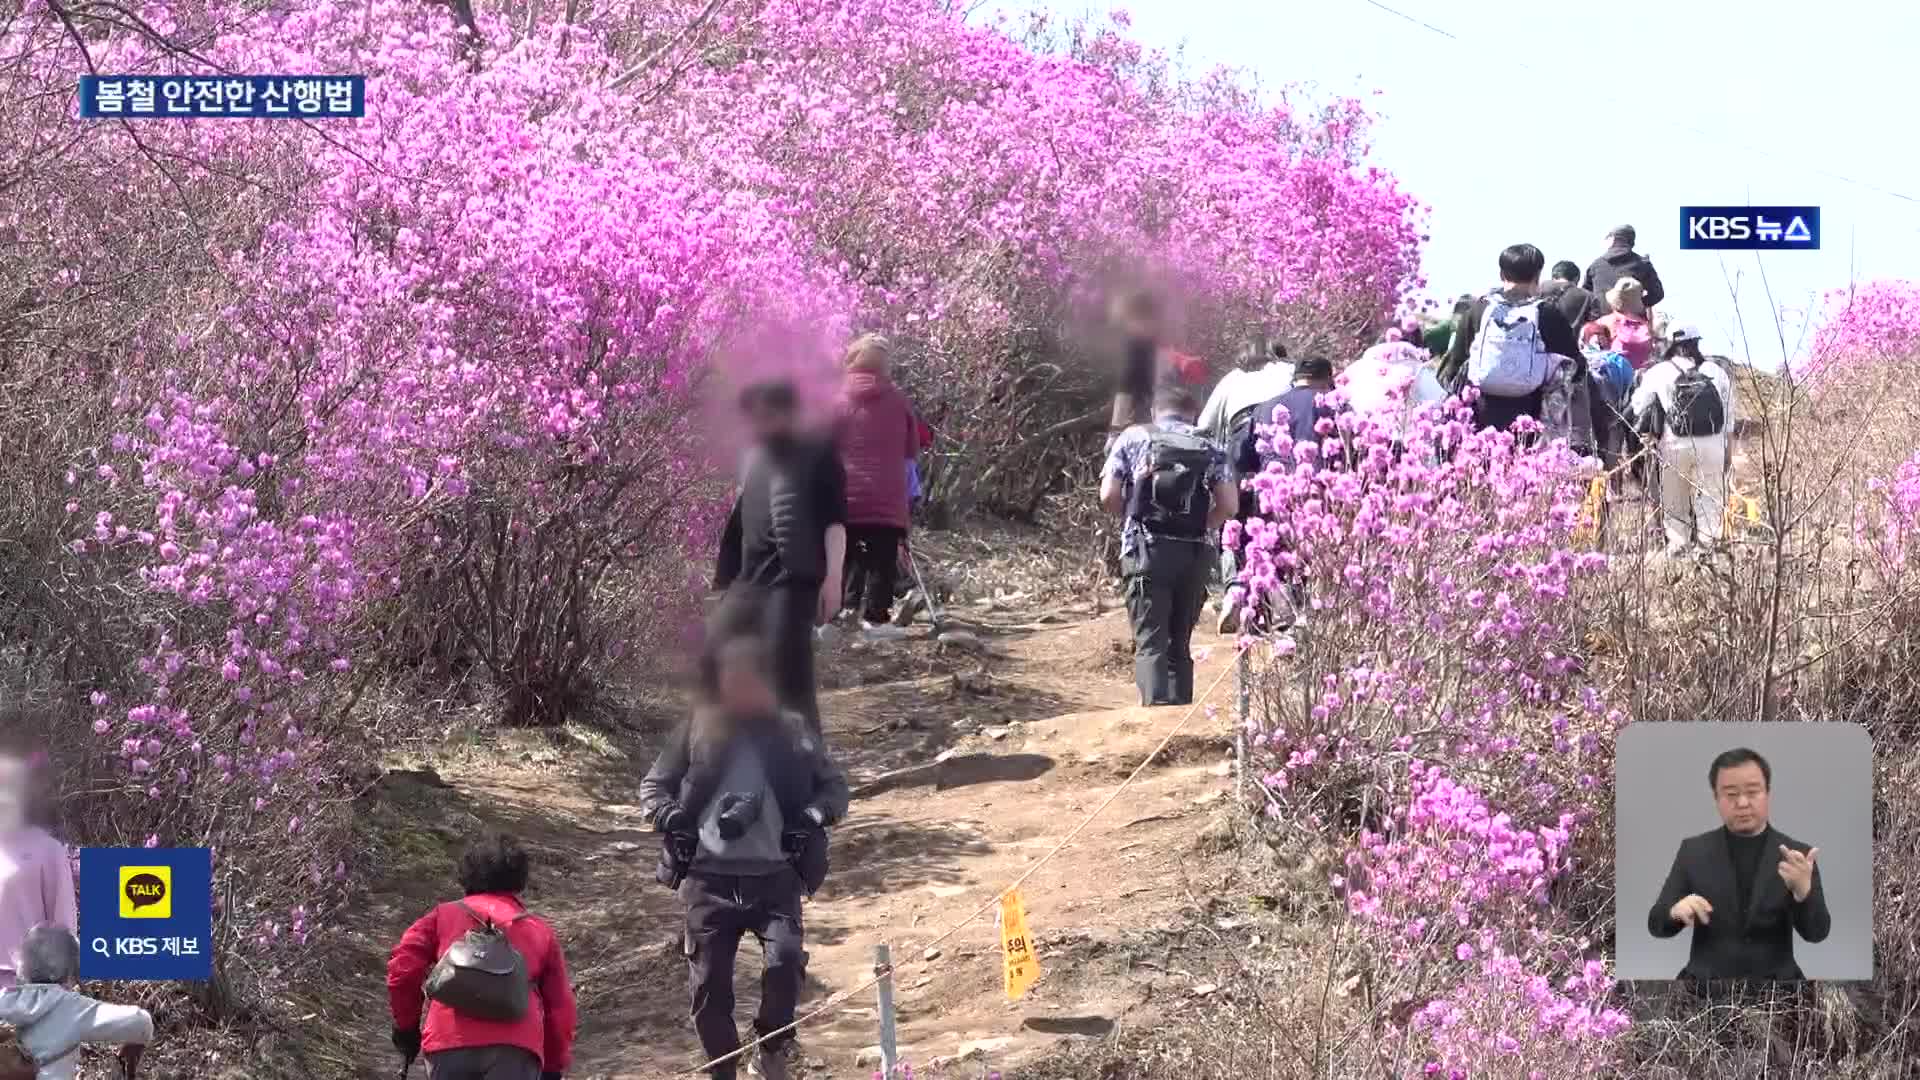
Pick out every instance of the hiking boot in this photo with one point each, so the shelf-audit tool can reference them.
(883, 631)
(770, 1063)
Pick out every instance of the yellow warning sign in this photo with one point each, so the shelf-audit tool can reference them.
(1023, 968)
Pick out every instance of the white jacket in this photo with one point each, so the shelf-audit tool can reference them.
(54, 1020)
(1239, 389)
(1657, 381)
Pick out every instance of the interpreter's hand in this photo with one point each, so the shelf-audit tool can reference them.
(1691, 910)
(831, 597)
(1796, 869)
(407, 1041)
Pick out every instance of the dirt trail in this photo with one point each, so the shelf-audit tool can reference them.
(1019, 741)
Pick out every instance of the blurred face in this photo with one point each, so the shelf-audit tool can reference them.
(768, 422)
(744, 687)
(13, 793)
(1740, 794)
(873, 360)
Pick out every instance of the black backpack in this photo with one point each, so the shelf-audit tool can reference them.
(482, 975)
(1172, 500)
(1243, 442)
(1697, 408)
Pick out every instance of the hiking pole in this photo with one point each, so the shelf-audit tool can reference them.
(933, 610)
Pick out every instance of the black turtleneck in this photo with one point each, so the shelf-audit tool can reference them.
(1746, 851)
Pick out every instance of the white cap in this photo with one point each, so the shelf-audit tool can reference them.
(1685, 332)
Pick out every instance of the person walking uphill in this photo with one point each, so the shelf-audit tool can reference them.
(1687, 402)
(1620, 260)
(743, 796)
(878, 437)
(1510, 344)
(785, 558)
(480, 1024)
(1174, 490)
(1145, 363)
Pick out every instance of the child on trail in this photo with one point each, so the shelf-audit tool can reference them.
(36, 875)
(743, 796)
(1687, 400)
(51, 1021)
(876, 431)
(448, 963)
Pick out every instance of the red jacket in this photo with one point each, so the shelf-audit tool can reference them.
(878, 434)
(547, 1029)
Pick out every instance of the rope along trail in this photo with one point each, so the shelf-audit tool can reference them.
(841, 998)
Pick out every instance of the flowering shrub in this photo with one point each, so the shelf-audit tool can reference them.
(298, 413)
(1447, 724)
(1877, 321)
(1502, 1020)
(1452, 872)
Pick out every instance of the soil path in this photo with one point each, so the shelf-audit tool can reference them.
(967, 766)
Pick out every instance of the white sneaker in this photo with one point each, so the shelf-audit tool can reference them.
(883, 631)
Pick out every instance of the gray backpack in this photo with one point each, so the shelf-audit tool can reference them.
(482, 975)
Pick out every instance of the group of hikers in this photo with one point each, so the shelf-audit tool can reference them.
(745, 792)
(1582, 356)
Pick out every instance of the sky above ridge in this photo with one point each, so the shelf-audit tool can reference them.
(1551, 126)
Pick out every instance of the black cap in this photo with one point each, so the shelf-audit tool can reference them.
(1313, 367)
(1623, 233)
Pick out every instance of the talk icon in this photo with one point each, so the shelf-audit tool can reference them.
(146, 892)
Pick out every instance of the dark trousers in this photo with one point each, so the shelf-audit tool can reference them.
(873, 566)
(720, 910)
(483, 1063)
(1499, 413)
(1165, 588)
(791, 617)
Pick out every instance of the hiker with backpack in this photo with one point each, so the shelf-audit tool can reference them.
(1610, 377)
(489, 975)
(1564, 292)
(1686, 402)
(1280, 424)
(743, 796)
(51, 1020)
(1261, 372)
(1172, 487)
(788, 545)
(1510, 344)
(876, 431)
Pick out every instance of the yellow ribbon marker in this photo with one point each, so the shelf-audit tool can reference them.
(1588, 530)
(1023, 968)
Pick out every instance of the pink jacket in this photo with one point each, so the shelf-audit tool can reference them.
(876, 431)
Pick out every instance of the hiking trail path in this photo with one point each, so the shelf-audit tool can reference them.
(967, 766)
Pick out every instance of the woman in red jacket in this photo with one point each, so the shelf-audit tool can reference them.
(539, 1045)
(878, 434)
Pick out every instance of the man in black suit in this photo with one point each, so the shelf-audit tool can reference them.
(1745, 888)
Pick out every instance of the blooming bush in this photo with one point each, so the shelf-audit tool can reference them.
(1453, 873)
(300, 416)
(1502, 1020)
(1875, 322)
